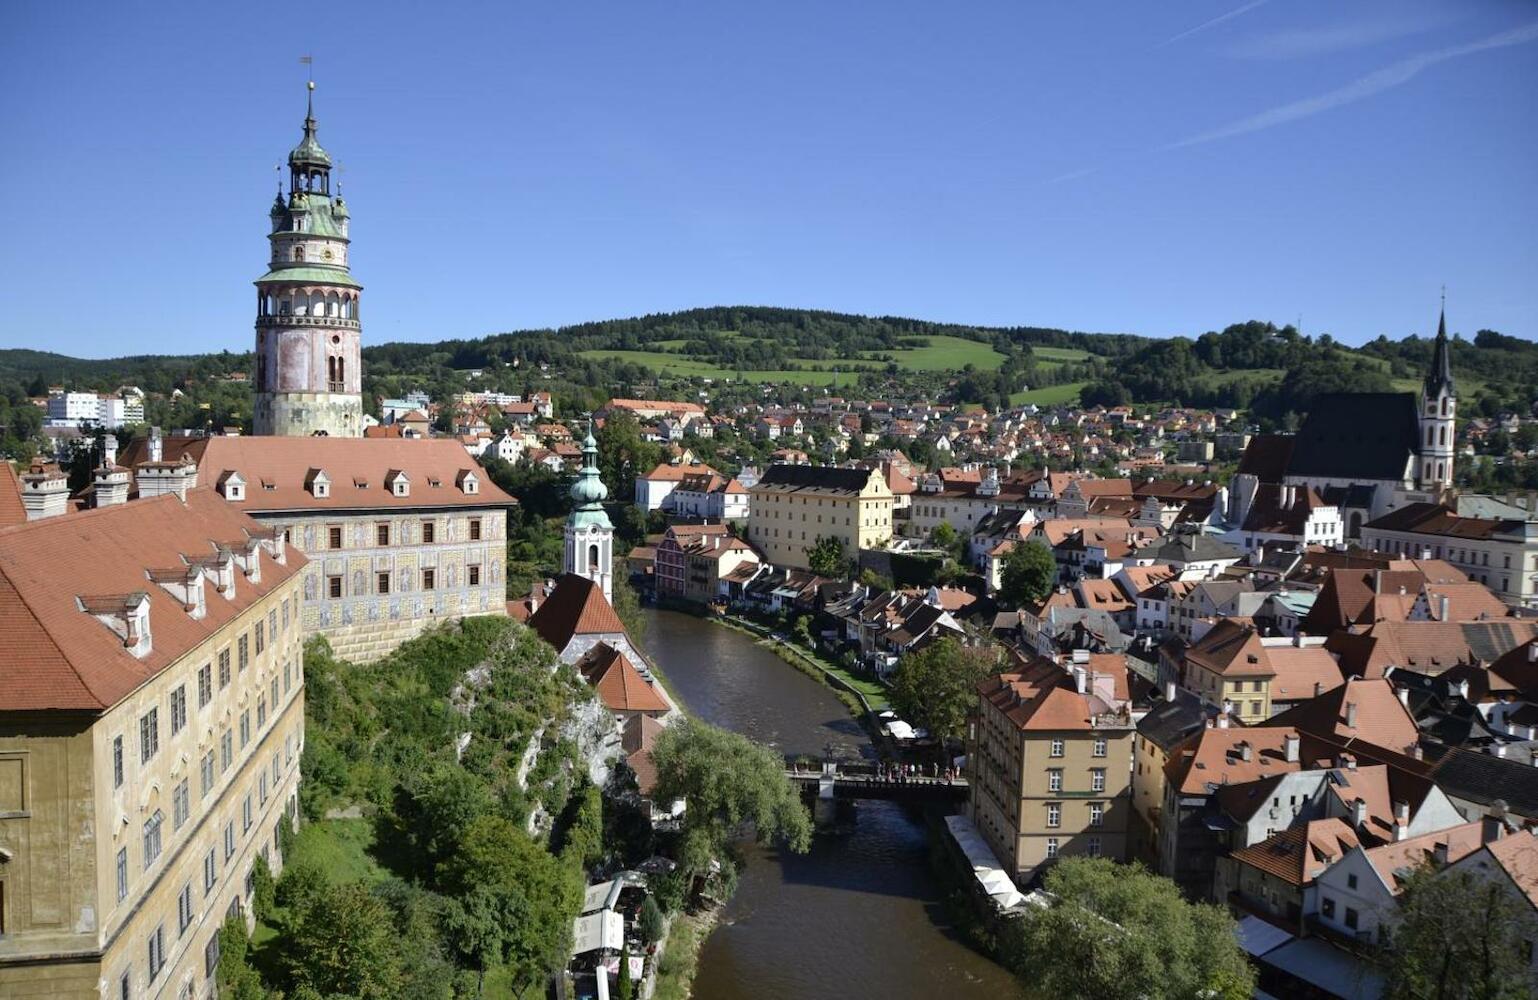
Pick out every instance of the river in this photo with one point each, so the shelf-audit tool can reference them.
(858, 917)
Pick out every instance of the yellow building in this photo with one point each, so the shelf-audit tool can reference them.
(151, 726)
(1172, 722)
(793, 506)
(1049, 761)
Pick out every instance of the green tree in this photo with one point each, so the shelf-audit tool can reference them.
(826, 557)
(936, 687)
(1027, 576)
(514, 902)
(263, 893)
(1461, 935)
(623, 455)
(344, 942)
(1118, 932)
(626, 988)
(234, 974)
(946, 537)
(651, 922)
(727, 781)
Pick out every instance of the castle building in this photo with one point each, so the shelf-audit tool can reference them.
(794, 506)
(401, 534)
(151, 727)
(1366, 453)
(309, 374)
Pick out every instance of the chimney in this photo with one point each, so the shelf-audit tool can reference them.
(1358, 812)
(1223, 718)
(1318, 688)
(1490, 829)
(1499, 750)
(1446, 605)
(1246, 752)
(1169, 691)
(1290, 747)
(1402, 813)
(1404, 696)
(44, 492)
(1351, 714)
(109, 451)
(155, 445)
(1439, 854)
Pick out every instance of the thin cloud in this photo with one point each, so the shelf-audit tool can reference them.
(1372, 84)
(1212, 22)
(1302, 43)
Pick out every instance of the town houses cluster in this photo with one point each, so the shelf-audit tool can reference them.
(1284, 670)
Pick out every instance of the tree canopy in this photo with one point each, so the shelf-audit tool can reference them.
(1028, 574)
(936, 687)
(1118, 932)
(1461, 936)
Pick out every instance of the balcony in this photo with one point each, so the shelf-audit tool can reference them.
(332, 322)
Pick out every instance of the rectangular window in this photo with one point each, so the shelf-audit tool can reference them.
(224, 668)
(1051, 847)
(245, 813)
(178, 709)
(211, 956)
(1054, 814)
(184, 910)
(1351, 918)
(181, 804)
(229, 840)
(272, 624)
(334, 586)
(1327, 907)
(335, 536)
(273, 689)
(261, 711)
(275, 772)
(243, 650)
(122, 874)
(1097, 780)
(245, 728)
(1054, 780)
(152, 839)
(429, 579)
(429, 531)
(475, 529)
(1057, 748)
(1094, 847)
(285, 616)
(208, 774)
(125, 988)
(287, 680)
(261, 789)
(117, 762)
(1096, 814)
(157, 949)
(382, 533)
(210, 871)
(382, 583)
(1350, 881)
(226, 751)
(261, 637)
(205, 685)
(149, 735)
(475, 576)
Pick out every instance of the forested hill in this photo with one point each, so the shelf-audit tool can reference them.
(1273, 371)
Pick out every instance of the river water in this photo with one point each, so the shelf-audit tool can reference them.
(858, 917)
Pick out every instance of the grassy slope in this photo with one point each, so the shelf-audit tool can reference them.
(936, 354)
(1050, 395)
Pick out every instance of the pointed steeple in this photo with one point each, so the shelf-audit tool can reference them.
(1439, 377)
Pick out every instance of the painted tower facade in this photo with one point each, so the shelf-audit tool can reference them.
(1439, 410)
(309, 376)
(589, 533)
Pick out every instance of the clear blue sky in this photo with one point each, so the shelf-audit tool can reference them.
(1158, 168)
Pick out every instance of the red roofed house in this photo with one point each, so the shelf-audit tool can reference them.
(151, 717)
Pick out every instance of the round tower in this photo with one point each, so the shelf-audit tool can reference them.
(309, 374)
(589, 533)
(1439, 410)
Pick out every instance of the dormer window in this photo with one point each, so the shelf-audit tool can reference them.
(468, 482)
(397, 483)
(318, 484)
(127, 615)
(232, 487)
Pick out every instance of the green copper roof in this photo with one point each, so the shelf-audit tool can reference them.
(589, 491)
(308, 152)
(311, 275)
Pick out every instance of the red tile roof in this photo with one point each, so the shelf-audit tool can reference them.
(57, 656)
(356, 468)
(575, 607)
(1299, 854)
(618, 683)
(11, 509)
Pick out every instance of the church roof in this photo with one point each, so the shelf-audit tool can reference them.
(1439, 377)
(575, 607)
(312, 275)
(1357, 436)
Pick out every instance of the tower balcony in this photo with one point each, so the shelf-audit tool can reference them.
(289, 320)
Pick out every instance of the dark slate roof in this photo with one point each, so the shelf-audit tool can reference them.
(1266, 457)
(1172, 722)
(1357, 435)
(1190, 546)
(813, 477)
(1356, 495)
(1483, 778)
(1440, 374)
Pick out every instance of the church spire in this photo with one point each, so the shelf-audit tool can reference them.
(1439, 377)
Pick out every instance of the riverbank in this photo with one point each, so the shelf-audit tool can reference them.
(680, 954)
(862, 696)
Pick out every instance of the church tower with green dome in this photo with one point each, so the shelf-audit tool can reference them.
(309, 376)
(589, 534)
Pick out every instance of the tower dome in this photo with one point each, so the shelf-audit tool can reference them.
(588, 491)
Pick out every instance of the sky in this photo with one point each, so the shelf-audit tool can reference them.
(1153, 168)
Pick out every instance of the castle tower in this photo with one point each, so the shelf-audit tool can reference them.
(309, 377)
(1439, 408)
(589, 534)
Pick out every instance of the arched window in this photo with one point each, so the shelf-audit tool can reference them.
(1446, 403)
(1430, 433)
(299, 253)
(1443, 435)
(592, 557)
(1440, 469)
(331, 370)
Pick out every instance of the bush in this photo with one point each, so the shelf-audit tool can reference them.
(262, 890)
(651, 922)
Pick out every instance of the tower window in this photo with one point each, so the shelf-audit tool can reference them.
(299, 253)
(592, 557)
